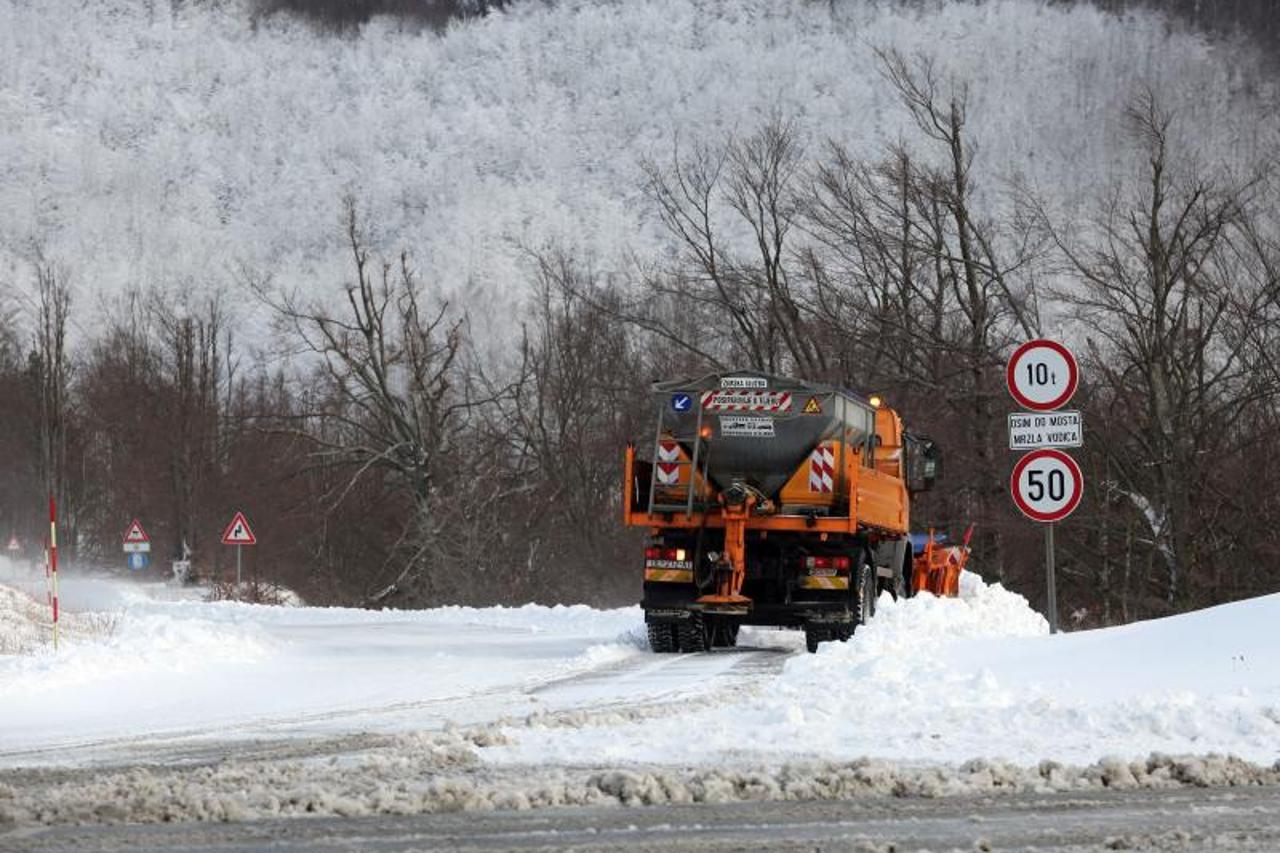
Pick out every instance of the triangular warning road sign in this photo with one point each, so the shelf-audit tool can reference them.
(813, 407)
(135, 533)
(238, 532)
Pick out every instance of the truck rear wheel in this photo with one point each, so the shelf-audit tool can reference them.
(864, 601)
(724, 633)
(814, 635)
(693, 634)
(662, 637)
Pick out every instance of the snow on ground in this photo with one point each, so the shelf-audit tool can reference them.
(930, 681)
(26, 619)
(193, 710)
(937, 680)
(181, 668)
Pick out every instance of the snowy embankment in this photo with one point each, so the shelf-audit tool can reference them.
(172, 142)
(210, 711)
(937, 680)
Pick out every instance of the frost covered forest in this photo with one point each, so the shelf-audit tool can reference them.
(397, 291)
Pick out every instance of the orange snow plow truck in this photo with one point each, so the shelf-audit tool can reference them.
(772, 501)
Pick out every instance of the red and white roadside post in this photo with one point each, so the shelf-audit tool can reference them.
(53, 566)
(1046, 483)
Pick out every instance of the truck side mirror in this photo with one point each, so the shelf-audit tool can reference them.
(924, 463)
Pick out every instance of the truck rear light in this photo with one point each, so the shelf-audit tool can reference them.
(827, 565)
(673, 555)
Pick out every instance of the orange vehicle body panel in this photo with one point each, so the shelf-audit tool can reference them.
(937, 569)
(880, 501)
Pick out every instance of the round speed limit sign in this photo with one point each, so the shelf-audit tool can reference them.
(1047, 485)
(1042, 375)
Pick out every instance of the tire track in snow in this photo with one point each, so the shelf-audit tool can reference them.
(645, 684)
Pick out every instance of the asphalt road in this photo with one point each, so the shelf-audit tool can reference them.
(1179, 819)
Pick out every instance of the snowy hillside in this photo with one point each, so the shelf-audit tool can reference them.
(150, 147)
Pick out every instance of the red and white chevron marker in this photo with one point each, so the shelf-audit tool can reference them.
(668, 467)
(53, 565)
(746, 401)
(822, 470)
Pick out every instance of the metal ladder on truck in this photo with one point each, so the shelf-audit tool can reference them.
(696, 464)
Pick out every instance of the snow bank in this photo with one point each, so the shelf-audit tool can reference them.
(946, 680)
(26, 624)
(150, 643)
(437, 774)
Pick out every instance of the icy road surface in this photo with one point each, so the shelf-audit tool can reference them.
(1154, 820)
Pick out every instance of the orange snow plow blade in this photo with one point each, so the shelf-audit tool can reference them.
(937, 568)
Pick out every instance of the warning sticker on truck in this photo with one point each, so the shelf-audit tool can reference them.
(733, 382)
(740, 427)
(746, 401)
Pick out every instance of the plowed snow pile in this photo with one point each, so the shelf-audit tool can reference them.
(26, 624)
(948, 680)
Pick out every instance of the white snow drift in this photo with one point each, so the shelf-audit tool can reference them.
(930, 680)
(942, 680)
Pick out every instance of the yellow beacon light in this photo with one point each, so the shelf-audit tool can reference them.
(875, 401)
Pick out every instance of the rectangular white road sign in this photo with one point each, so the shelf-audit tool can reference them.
(1033, 430)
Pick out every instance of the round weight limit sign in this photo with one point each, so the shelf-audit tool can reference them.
(1042, 375)
(1047, 485)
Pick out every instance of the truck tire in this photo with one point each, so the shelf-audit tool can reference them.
(816, 634)
(693, 634)
(662, 637)
(864, 595)
(724, 633)
(895, 586)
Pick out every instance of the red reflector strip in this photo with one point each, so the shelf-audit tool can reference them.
(827, 565)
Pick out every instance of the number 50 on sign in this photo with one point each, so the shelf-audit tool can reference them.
(1047, 485)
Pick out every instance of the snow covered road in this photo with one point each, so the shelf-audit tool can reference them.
(212, 711)
(175, 675)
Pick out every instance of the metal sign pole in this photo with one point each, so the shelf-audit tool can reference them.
(239, 548)
(1049, 578)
